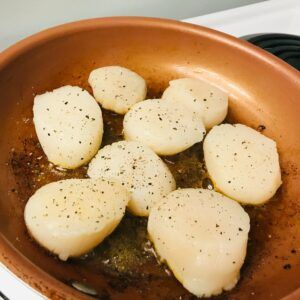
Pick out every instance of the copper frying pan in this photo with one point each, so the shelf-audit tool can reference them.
(263, 91)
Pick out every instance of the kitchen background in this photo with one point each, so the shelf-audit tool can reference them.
(19, 18)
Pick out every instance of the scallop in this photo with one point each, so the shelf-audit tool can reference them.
(70, 217)
(139, 170)
(201, 97)
(117, 88)
(202, 236)
(243, 163)
(165, 128)
(68, 122)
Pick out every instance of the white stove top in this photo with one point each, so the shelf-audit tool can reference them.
(269, 16)
(273, 16)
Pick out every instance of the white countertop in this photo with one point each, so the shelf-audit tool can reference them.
(270, 16)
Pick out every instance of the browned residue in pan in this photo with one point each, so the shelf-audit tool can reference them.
(126, 257)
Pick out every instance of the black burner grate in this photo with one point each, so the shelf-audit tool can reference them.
(284, 46)
(3, 297)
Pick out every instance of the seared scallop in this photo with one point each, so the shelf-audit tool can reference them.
(68, 122)
(139, 170)
(199, 96)
(202, 236)
(117, 88)
(166, 128)
(243, 163)
(70, 217)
